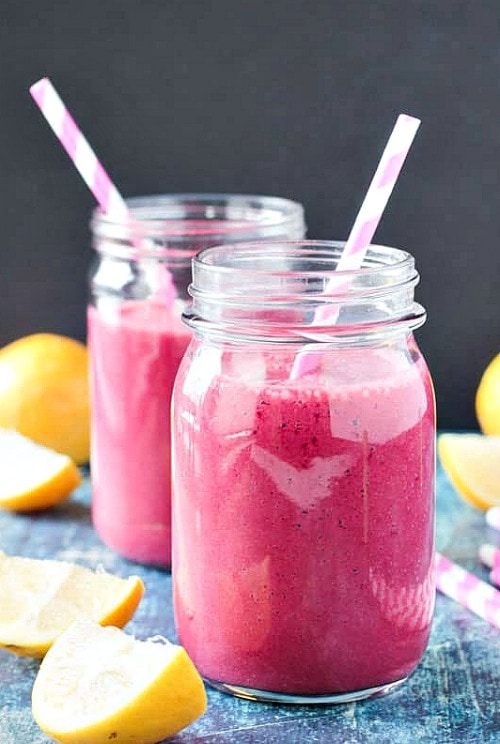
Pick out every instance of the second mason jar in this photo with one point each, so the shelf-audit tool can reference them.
(303, 479)
(138, 289)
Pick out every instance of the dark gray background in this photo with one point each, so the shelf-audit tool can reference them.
(289, 97)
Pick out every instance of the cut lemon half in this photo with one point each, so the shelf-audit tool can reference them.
(98, 685)
(472, 463)
(40, 599)
(33, 476)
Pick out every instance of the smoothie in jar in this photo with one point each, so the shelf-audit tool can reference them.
(136, 350)
(136, 342)
(304, 515)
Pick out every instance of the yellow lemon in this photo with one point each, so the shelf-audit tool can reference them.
(33, 476)
(488, 398)
(40, 599)
(99, 685)
(472, 462)
(44, 392)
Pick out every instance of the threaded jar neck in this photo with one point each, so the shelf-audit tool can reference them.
(291, 291)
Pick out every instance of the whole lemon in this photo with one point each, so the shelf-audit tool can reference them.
(488, 398)
(44, 392)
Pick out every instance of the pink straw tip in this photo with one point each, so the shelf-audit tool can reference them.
(39, 84)
(409, 118)
(38, 89)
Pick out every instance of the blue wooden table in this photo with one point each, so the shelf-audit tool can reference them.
(454, 696)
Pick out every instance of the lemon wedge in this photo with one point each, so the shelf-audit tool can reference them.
(98, 685)
(40, 599)
(33, 476)
(472, 463)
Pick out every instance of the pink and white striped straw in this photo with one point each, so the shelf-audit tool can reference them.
(365, 225)
(86, 162)
(76, 145)
(469, 591)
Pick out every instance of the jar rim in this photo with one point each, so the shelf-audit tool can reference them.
(291, 288)
(213, 257)
(187, 215)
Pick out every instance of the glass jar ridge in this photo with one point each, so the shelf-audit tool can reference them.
(291, 290)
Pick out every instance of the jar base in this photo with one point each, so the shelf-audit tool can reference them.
(266, 696)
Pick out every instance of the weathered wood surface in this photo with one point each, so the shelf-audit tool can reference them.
(454, 696)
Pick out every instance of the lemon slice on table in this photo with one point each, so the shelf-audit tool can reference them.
(98, 685)
(40, 599)
(33, 476)
(472, 463)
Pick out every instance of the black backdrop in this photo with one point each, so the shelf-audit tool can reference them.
(289, 97)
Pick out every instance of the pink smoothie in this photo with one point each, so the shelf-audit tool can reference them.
(304, 519)
(135, 352)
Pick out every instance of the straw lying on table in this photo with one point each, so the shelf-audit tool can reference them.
(363, 230)
(85, 161)
(469, 591)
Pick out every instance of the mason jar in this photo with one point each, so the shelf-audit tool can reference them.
(303, 474)
(138, 290)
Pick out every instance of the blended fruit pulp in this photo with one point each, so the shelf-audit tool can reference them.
(135, 351)
(304, 518)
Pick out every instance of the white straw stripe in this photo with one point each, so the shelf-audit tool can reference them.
(117, 206)
(478, 604)
(454, 578)
(85, 161)
(53, 109)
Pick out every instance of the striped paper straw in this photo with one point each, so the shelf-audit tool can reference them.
(469, 591)
(76, 145)
(490, 556)
(493, 517)
(363, 230)
(85, 161)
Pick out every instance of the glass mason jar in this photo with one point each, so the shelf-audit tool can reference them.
(303, 474)
(136, 341)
